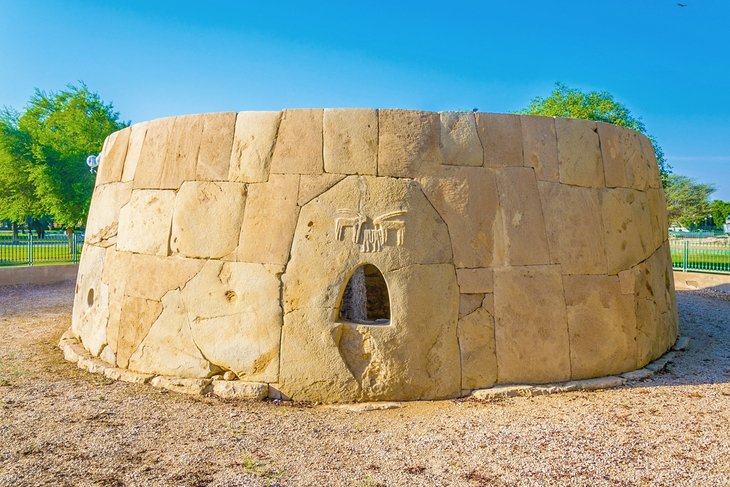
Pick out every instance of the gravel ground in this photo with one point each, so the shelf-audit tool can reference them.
(62, 426)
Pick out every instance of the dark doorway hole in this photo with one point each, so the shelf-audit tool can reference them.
(366, 299)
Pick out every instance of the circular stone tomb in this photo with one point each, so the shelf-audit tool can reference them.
(357, 254)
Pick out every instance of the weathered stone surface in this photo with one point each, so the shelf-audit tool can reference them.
(661, 362)
(168, 347)
(468, 303)
(144, 222)
(91, 300)
(137, 134)
(107, 355)
(502, 392)
(134, 270)
(240, 390)
(103, 221)
(478, 356)
(112, 157)
(151, 160)
(125, 375)
(639, 374)
(365, 407)
(137, 316)
(415, 356)
(620, 149)
(466, 199)
(501, 136)
(460, 145)
(598, 383)
(531, 325)
(234, 320)
(579, 154)
(216, 145)
(409, 144)
(182, 151)
(649, 170)
(253, 145)
(73, 351)
(602, 326)
(475, 280)
(298, 148)
(522, 217)
(207, 218)
(311, 186)
(91, 364)
(196, 387)
(323, 259)
(351, 141)
(574, 224)
(269, 220)
(540, 147)
(627, 228)
(658, 216)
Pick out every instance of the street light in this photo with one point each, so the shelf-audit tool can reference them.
(93, 162)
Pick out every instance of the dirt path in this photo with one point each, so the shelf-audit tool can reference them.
(62, 426)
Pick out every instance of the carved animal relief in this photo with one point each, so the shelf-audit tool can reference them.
(370, 234)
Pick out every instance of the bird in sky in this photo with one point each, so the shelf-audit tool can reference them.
(681, 4)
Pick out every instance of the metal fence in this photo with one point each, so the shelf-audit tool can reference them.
(53, 248)
(707, 255)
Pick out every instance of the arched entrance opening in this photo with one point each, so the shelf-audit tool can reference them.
(365, 299)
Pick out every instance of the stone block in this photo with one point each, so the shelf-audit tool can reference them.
(460, 145)
(468, 303)
(298, 148)
(91, 364)
(313, 185)
(639, 374)
(216, 145)
(233, 319)
(196, 387)
(658, 216)
(607, 382)
(351, 141)
(137, 134)
(620, 149)
(649, 166)
(137, 317)
(269, 220)
(475, 280)
(531, 328)
(168, 348)
(466, 198)
(125, 375)
(73, 352)
(207, 218)
(182, 151)
(501, 137)
(409, 143)
(602, 326)
(253, 145)
(540, 147)
(254, 391)
(476, 343)
(145, 222)
(681, 344)
(152, 155)
(91, 300)
(103, 221)
(112, 157)
(522, 217)
(579, 153)
(574, 226)
(627, 227)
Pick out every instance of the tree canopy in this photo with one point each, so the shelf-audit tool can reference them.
(43, 153)
(719, 210)
(687, 200)
(593, 105)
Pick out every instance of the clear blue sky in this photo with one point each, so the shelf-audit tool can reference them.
(668, 64)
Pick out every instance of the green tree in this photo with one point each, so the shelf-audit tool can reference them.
(687, 200)
(719, 210)
(593, 105)
(51, 141)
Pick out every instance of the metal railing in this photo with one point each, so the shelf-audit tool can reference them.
(707, 255)
(51, 249)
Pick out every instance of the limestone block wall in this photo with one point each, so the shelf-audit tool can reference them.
(515, 249)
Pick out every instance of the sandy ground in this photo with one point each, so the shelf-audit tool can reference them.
(62, 426)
